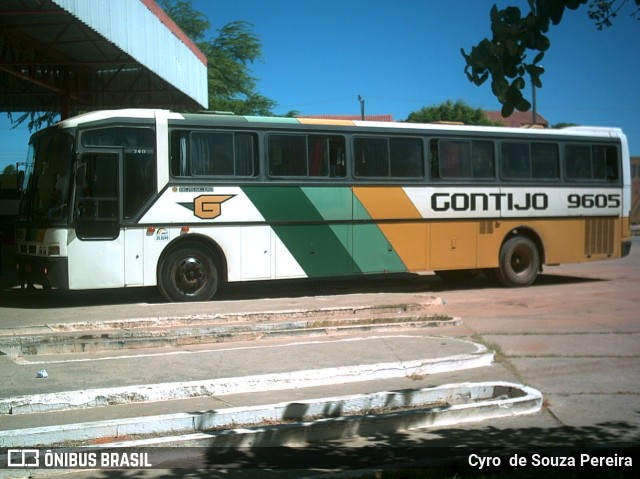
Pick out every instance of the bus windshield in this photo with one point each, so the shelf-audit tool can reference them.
(46, 196)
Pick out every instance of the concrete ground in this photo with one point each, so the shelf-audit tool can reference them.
(574, 336)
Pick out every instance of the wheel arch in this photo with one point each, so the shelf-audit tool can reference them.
(529, 233)
(200, 240)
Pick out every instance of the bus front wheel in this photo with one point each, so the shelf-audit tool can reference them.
(188, 273)
(519, 262)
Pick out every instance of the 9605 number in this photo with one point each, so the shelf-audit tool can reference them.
(594, 201)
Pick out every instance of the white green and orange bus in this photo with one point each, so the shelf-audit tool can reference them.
(187, 202)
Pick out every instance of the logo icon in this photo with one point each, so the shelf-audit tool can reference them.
(162, 234)
(23, 458)
(207, 207)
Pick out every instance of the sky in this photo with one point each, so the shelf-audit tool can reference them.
(402, 55)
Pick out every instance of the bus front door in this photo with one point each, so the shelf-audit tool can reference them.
(96, 251)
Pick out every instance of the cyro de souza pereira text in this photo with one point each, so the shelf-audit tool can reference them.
(480, 461)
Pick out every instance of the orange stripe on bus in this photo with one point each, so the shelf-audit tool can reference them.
(385, 203)
(409, 240)
(317, 121)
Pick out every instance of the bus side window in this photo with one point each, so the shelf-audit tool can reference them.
(605, 163)
(246, 154)
(318, 154)
(287, 155)
(545, 163)
(577, 162)
(451, 159)
(516, 161)
(483, 159)
(434, 158)
(211, 154)
(337, 166)
(371, 157)
(139, 180)
(406, 157)
(96, 202)
(179, 153)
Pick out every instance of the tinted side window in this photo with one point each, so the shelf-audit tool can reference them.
(545, 161)
(139, 162)
(453, 159)
(306, 155)
(523, 160)
(605, 163)
(577, 162)
(213, 153)
(515, 160)
(591, 162)
(407, 158)
(388, 157)
(371, 157)
(139, 180)
(127, 137)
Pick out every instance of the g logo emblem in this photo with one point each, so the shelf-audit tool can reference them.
(208, 207)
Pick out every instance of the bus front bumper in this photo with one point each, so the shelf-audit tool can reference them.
(48, 272)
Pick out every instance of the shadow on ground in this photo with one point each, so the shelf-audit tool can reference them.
(442, 453)
(12, 297)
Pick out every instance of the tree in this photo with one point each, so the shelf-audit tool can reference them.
(37, 119)
(449, 111)
(504, 57)
(231, 86)
(9, 177)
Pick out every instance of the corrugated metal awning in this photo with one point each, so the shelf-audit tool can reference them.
(82, 55)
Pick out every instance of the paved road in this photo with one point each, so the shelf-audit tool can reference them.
(574, 336)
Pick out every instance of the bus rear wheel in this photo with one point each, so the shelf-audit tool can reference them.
(519, 262)
(188, 273)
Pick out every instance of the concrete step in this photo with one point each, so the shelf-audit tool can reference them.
(297, 422)
(112, 335)
(264, 367)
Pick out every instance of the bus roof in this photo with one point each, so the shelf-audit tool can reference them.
(142, 113)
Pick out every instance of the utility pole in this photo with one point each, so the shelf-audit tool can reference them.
(534, 110)
(361, 100)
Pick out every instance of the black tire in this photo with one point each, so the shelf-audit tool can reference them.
(188, 273)
(519, 262)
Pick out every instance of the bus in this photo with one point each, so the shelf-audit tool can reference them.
(190, 201)
(635, 191)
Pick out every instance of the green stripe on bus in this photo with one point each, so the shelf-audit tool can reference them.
(318, 247)
(372, 251)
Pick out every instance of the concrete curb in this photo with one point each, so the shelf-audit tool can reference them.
(119, 334)
(301, 421)
(254, 317)
(56, 343)
(89, 398)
